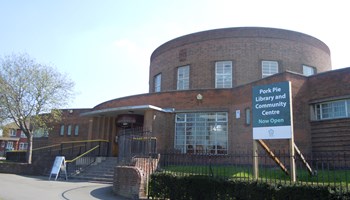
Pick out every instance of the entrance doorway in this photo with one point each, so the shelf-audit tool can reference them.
(126, 123)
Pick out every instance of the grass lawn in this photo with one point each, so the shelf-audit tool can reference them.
(270, 175)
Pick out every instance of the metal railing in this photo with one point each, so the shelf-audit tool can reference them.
(81, 162)
(329, 169)
(73, 149)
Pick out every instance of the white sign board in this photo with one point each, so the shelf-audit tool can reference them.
(58, 165)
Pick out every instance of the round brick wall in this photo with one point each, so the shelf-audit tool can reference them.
(246, 47)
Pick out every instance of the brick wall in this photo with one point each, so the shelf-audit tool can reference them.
(229, 100)
(128, 182)
(245, 47)
(70, 117)
(131, 181)
(330, 135)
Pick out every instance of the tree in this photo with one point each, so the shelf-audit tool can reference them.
(31, 93)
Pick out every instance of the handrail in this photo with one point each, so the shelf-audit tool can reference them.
(74, 159)
(81, 141)
(46, 147)
(70, 142)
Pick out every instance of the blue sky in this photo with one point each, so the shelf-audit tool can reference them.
(105, 46)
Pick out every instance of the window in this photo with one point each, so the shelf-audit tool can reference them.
(13, 132)
(41, 132)
(76, 130)
(23, 146)
(205, 133)
(223, 74)
(332, 110)
(62, 130)
(9, 146)
(269, 68)
(69, 130)
(157, 82)
(308, 71)
(23, 135)
(247, 116)
(183, 78)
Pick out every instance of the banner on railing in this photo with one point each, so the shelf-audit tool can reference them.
(58, 166)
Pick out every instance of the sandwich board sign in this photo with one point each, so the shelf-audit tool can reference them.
(58, 166)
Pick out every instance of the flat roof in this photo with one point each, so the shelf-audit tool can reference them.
(9, 139)
(140, 109)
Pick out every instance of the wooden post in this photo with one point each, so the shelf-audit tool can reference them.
(272, 155)
(255, 160)
(292, 160)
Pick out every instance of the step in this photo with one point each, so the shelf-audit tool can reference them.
(102, 170)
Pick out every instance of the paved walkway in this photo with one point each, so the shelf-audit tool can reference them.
(17, 187)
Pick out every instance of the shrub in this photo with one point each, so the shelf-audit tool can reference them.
(168, 186)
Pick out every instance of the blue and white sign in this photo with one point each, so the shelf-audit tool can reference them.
(272, 114)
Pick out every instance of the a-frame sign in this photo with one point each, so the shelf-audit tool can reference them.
(58, 166)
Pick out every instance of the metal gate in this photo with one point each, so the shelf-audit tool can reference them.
(136, 143)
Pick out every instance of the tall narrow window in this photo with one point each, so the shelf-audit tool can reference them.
(76, 130)
(62, 130)
(308, 71)
(157, 83)
(247, 116)
(269, 68)
(223, 74)
(183, 78)
(69, 130)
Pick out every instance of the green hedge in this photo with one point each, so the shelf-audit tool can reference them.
(167, 186)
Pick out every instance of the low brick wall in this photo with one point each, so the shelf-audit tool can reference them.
(40, 166)
(129, 182)
(17, 168)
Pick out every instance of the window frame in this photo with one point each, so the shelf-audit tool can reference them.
(76, 130)
(8, 146)
(268, 63)
(247, 117)
(202, 132)
(23, 145)
(183, 83)
(69, 130)
(23, 135)
(13, 133)
(308, 68)
(157, 82)
(332, 110)
(223, 76)
(62, 130)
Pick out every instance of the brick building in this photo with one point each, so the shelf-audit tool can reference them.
(15, 139)
(199, 82)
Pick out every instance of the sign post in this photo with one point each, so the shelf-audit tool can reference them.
(58, 165)
(272, 118)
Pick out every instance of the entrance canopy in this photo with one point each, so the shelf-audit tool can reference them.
(140, 110)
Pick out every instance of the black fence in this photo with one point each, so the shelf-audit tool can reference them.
(137, 143)
(326, 169)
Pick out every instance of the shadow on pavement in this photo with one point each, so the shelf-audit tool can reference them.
(106, 193)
